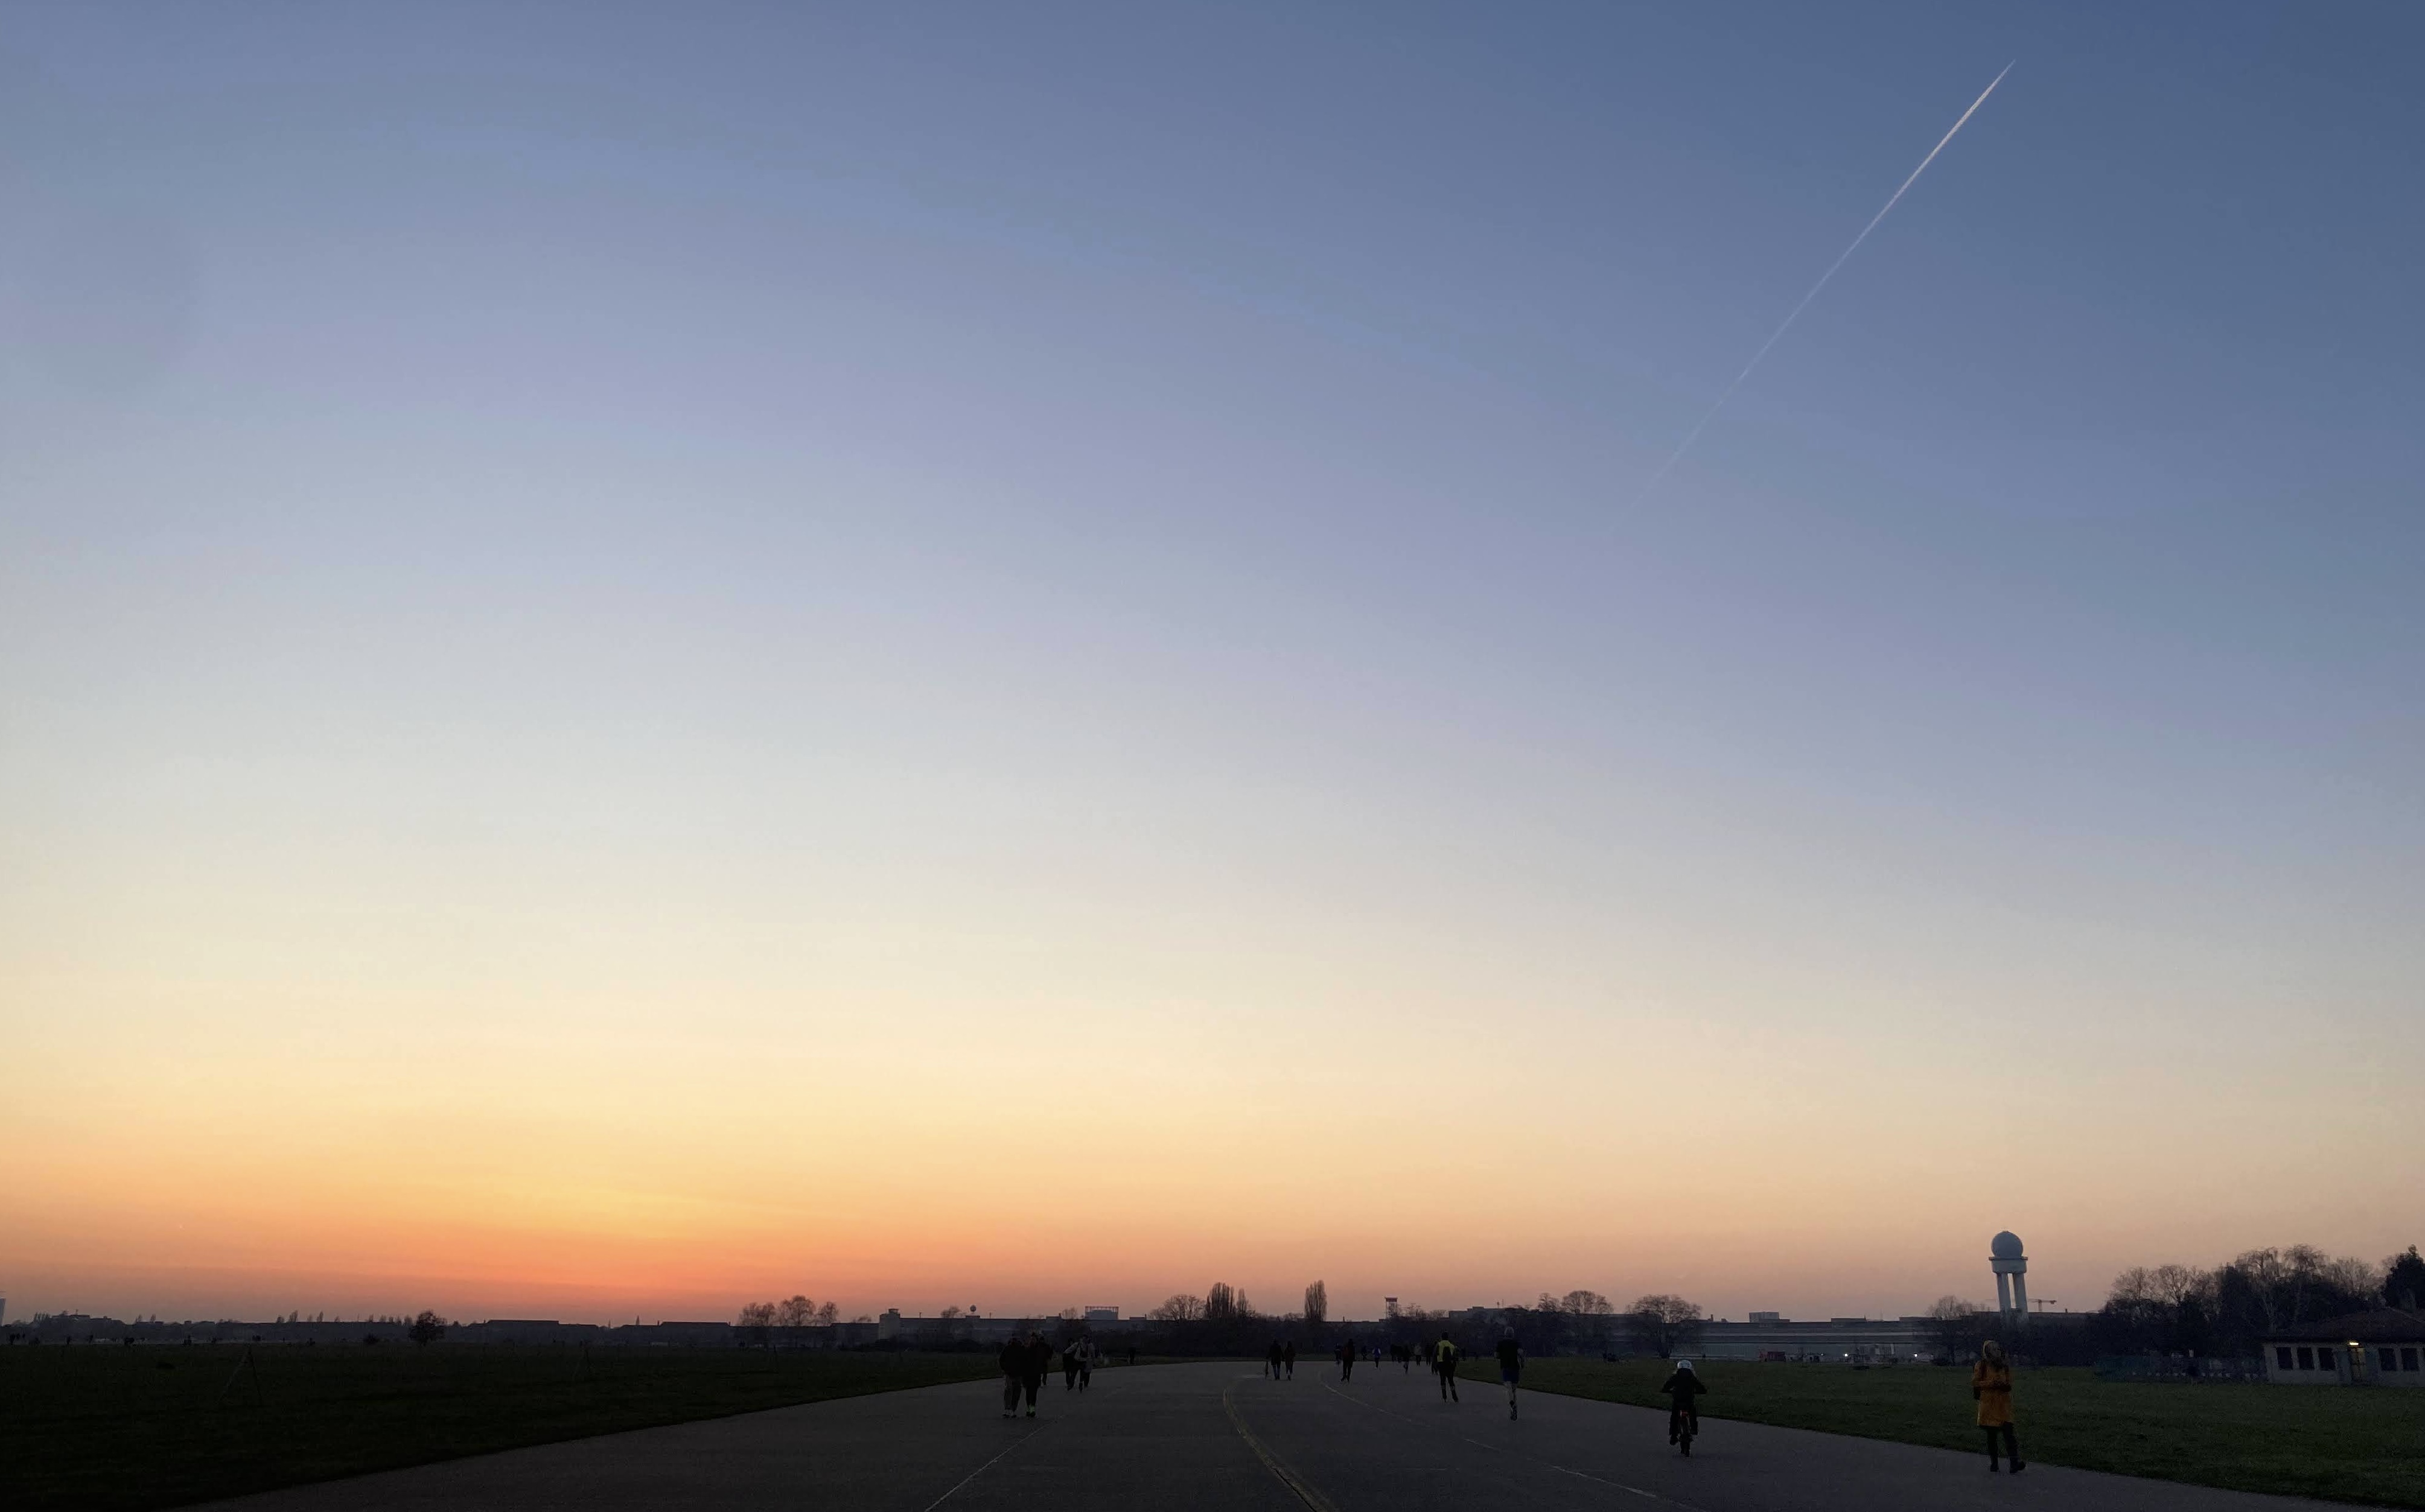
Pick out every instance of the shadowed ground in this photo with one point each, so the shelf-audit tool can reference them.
(1220, 1435)
(101, 1429)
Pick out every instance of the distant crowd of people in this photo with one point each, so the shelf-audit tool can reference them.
(1026, 1362)
(1279, 1360)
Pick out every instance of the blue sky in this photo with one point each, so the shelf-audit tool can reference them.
(1135, 519)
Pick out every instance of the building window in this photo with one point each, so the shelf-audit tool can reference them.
(2408, 1360)
(2390, 1360)
(2323, 1360)
(2282, 1357)
(2306, 1358)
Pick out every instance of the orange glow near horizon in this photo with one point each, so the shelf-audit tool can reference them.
(672, 1162)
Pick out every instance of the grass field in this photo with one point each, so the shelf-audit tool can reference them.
(92, 1428)
(2349, 1445)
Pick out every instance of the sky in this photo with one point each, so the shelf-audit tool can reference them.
(1023, 655)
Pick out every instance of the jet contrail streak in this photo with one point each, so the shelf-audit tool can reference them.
(1694, 434)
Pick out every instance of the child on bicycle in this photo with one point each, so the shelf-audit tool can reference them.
(1682, 1387)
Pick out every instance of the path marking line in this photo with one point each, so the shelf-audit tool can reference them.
(1502, 1449)
(962, 1483)
(1602, 1480)
(1286, 1477)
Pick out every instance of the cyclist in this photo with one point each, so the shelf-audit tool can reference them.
(1682, 1388)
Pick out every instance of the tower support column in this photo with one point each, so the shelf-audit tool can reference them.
(2010, 1262)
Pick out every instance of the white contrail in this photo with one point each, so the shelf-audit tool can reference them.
(1694, 434)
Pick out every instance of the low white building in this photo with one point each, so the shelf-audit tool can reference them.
(2383, 1347)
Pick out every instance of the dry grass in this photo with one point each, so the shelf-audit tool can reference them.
(2351, 1445)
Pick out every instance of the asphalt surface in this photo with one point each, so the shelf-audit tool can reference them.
(1224, 1436)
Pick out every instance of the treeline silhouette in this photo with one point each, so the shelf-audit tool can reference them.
(2231, 1309)
(1224, 1321)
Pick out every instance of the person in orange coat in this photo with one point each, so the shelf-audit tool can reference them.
(1991, 1382)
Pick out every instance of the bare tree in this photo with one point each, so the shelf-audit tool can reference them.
(756, 1319)
(427, 1329)
(2166, 1308)
(2177, 1286)
(1317, 1303)
(2279, 1288)
(1178, 1308)
(1549, 1326)
(827, 1313)
(2309, 1270)
(1954, 1324)
(2354, 1276)
(1590, 1316)
(1664, 1323)
(795, 1311)
(1221, 1301)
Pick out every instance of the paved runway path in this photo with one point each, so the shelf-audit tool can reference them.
(1222, 1435)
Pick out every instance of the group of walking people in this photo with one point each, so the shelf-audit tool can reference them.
(1026, 1362)
(1279, 1360)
